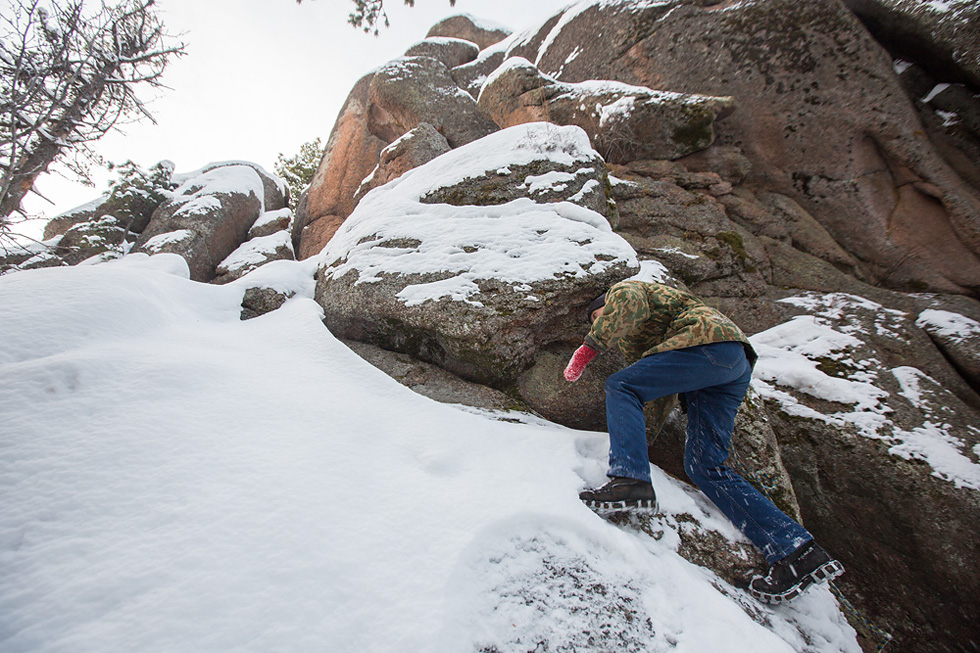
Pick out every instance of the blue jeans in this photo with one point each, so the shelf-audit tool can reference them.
(713, 379)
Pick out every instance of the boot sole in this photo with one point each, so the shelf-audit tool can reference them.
(647, 506)
(823, 574)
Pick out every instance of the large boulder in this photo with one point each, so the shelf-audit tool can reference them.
(958, 337)
(451, 52)
(464, 26)
(481, 285)
(625, 122)
(418, 146)
(16, 256)
(471, 76)
(275, 192)
(950, 113)
(822, 118)
(271, 222)
(61, 223)
(92, 238)
(134, 196)
(208, 217)
(410, 90)
(678, 218)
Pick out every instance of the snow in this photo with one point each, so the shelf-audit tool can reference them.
(934, 445)
(567, 17)
(652, 271)
(201, 204)
(909, 379)
(950, 118)
(788, 353)
(590, 186)
(518, 243)
(677, 251)
(901, 65)
(607, 86)
(85, 208)
(155, 244)
(573, 11)
(791, 355)
(272, 216)
(225, 179)
(549, 181)
(175, 479)
(621, 108)
(939, 6)
(486, 24)
(10, 246)
(253, 253)
(508, 64)
(936, 90)
(954, 326)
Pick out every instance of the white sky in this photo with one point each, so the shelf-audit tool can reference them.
(265, 76)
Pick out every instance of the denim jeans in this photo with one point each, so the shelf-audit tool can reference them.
(713, 379)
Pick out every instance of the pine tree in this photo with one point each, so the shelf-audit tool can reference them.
(298, 170)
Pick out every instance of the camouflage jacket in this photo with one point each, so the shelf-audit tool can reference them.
(642, 318)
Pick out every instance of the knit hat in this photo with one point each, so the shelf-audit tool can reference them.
(597, 303)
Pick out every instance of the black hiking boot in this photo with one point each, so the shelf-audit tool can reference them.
(621, 493)
(791, 576)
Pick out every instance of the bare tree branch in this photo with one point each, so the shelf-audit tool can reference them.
(70, 71)
(368, 14)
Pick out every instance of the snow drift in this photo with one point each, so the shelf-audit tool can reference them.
(175, 479)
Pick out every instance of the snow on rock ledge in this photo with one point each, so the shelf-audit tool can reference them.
(255, 253)
(829, 368)
(213, 210)
(626, 122)
(480, 284)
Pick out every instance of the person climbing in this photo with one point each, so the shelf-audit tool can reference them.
(678, 345)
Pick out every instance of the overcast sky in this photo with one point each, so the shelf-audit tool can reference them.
(265, 76)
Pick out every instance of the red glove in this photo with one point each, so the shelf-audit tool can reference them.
(582, 357)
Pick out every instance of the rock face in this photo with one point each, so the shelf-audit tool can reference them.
(625, 122)
(61, 223)
(351, 154)
(942, 36)
(876, 422)
(822, 194)
(253, 254)
(821, 118)
(434, 382)
(381, 108)
(410, 90)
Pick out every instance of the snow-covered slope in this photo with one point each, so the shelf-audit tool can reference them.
(175, 479)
